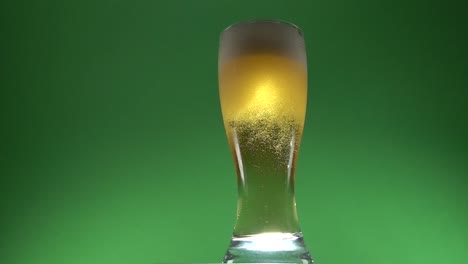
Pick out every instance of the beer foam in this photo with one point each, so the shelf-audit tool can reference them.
(252, 37)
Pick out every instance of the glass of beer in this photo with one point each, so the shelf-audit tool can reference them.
(262, 71)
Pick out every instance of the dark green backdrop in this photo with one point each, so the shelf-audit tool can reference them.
(113, 149)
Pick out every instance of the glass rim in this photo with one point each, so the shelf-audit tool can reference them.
(269, 21)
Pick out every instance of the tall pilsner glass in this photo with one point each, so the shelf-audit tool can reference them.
(262, 71)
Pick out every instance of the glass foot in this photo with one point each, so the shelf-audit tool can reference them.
(268, 248)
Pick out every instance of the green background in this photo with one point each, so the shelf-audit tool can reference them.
(113, 150)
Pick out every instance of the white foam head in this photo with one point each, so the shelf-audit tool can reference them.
(262, 36)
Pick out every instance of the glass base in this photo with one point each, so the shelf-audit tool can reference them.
(268, 248)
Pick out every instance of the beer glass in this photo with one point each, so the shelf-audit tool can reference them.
(262, 72)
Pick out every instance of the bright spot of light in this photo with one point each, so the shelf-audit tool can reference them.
(270, 242)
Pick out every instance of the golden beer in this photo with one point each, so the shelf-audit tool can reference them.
(263, 98)
(262, 73)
